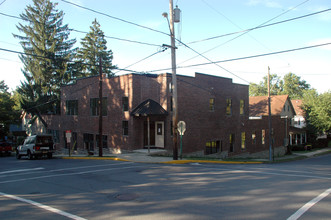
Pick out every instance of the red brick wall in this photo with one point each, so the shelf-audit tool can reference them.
(202, 125)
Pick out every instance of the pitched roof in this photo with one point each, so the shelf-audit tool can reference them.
(297, 107)
(258, 105)
(148, 108)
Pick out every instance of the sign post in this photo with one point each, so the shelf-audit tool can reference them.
(68, 137)
(181, 127)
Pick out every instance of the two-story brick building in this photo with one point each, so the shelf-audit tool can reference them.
(214, 108)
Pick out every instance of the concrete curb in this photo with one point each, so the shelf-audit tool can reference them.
(163, 162)
(211, 161)
(157, 160)
(95, 158)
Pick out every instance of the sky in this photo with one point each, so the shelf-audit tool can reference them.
(200, 20)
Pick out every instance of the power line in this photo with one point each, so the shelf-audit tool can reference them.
(116, 18)
(211, 62)
(3, 2)
(116, 38)
(67, 60)
(262, 26)
(84, 32)
(259, 55)
(160, 51)
(248, 31)
(248, 57)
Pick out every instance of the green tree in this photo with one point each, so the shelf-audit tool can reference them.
(261, 89)
(47, 50)
(291, 85)
(8, 114)
(94, 47)
(294, 86)
(318, 111)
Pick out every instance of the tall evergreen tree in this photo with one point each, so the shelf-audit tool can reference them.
(47, 50)
(94, 47)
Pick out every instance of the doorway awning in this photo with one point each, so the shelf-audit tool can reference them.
(149, 108)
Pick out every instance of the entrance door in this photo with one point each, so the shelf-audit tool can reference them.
(159, 134)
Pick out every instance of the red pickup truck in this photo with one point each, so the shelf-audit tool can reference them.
(5, 148)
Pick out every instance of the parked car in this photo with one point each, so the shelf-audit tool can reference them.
(36, 146)
(5, 148)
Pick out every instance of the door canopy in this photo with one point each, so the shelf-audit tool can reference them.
(149, 108)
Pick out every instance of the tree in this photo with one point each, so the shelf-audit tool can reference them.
(291, 85)
(94, 46)
(318, 111)
(261, 89)
(47, 50)
(294, 86)
(8, 114)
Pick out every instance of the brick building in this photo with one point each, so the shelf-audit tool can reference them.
(282, 113)
(214, 108)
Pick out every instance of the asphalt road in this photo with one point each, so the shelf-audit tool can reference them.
(103, 189)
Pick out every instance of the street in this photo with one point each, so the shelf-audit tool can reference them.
(105, 189)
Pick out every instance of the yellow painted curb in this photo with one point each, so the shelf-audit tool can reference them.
(95, 158)
(166, 162)
(211, 161)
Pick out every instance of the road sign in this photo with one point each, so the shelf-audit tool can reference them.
(181, 127)
(68, 136)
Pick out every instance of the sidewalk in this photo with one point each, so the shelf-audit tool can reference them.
(142, 156)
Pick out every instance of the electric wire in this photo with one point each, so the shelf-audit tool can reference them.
(247, 57)
(120, 39)
(67, 60)
(115, 18)
(247, 31)
(160, 51)
(3, 2)
(84, 32)
(262, 26)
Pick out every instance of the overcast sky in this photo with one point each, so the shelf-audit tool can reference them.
(200, 20)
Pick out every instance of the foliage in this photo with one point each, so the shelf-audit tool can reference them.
(318, 111)
(261, 89)
(94, 48)
(294, 86)
(291, 85)
(47, 51)
(8, 114)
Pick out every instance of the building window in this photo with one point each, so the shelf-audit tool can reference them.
(228, 106)
(243, 140)
(263, 137)
(231, 141)
(72, 107)
(88, 142)
(212, 147)
(254, 137)
(104, 141)
(125, 127)
(125, 104)
(211, 104)
(94, 106)
(242, 107)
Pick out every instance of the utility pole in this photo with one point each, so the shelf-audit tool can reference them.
(269, 119)
(174, 81)
(100, 107)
